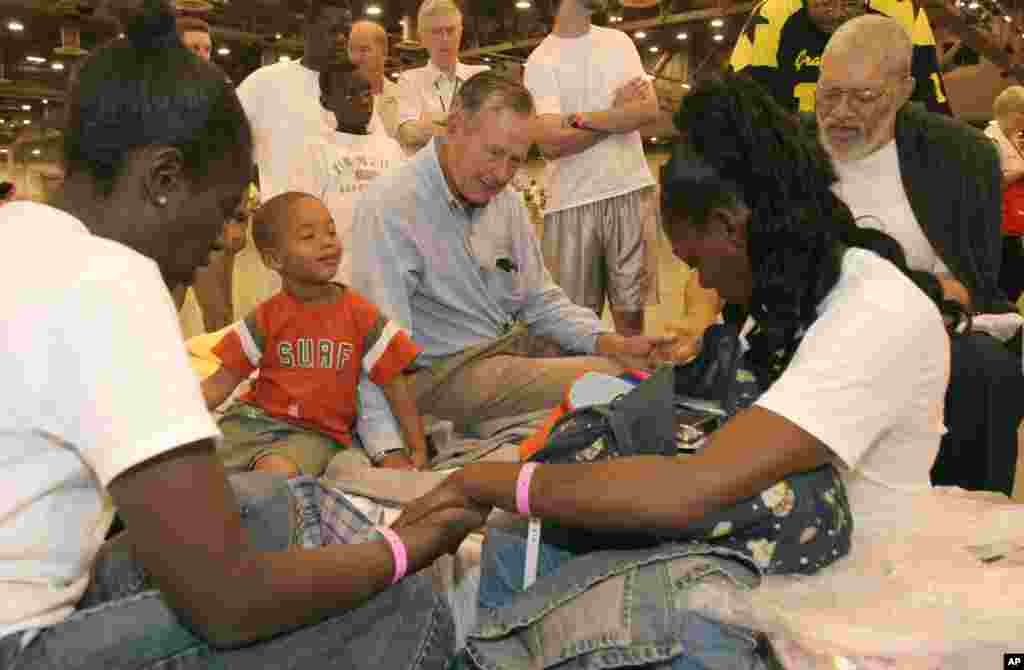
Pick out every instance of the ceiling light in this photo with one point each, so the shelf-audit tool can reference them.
(686, 86)
(717, 23)
(718, 37)
(120, 36)
(224, 51)
(973, 6)
(26, 122)
(278, 36)
(26, 108)
(523, 4)
(284, 58)
(1008, 18)
(615, 19)
(639, 34)
(45, 101)
(682, 36)
(487, 59)
(3, 151)
(35, 59)
(36, 152)
(15, 26)
(394, 75)
(57, 65)
(653, 50)
(373, 10)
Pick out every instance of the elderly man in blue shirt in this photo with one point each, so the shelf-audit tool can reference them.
(446, 251)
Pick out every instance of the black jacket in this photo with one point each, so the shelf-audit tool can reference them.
(953, 180)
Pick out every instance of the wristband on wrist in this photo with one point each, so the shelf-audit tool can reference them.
(578, 122)
(523, 488)
(399, 555)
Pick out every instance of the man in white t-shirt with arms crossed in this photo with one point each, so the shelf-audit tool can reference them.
(600, 228)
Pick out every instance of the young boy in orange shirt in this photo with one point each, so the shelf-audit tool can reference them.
(309, 342)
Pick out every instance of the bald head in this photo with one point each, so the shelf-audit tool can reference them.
(873, 40)
(368, 50)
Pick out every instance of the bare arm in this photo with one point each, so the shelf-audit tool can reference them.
(186, 532)
(657, 493)
(403, 406)
(635, 105)
(218, 386)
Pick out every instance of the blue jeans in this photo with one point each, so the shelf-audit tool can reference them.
(120, 624)
(710, 645)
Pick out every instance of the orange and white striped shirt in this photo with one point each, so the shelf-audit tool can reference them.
(310, 356)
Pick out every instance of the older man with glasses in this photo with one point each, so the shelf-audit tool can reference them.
(783, 44)
(934, 185)
(426, 93)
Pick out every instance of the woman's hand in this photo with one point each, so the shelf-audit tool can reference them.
(640, 351)
(447, 496)
(686, 343)
(452, 524)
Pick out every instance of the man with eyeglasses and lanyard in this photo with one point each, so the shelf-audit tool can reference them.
(426, 93)
(784, 40)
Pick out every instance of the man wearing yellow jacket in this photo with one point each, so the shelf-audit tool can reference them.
(782, 47)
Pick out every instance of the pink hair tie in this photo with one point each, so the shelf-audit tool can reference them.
(398, 552)
(523, 488)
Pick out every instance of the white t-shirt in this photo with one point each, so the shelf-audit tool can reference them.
(335, 167)
(385, 110)
(1010, 158)
(282, 101)
(96, 381)
(869, 379)
(872, 188)
(581, 74)
(428, 89)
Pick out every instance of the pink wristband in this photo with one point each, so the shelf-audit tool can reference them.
(398, 553)
(523, 488)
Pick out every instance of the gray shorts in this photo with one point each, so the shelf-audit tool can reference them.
(605, 249)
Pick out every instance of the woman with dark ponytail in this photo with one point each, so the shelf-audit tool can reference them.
(102, 412)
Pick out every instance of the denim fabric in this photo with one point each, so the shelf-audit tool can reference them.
(122, 625)
(606, 609)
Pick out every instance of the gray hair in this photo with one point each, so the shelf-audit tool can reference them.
(487, 90)
(876, 37)
(437, 8)
(1009, 101)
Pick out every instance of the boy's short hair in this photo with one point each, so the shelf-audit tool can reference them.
(269, 217)
(343, 65)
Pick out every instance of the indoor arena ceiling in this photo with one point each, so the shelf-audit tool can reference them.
(41, 39)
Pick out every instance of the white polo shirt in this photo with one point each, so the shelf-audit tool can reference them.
(428, 89)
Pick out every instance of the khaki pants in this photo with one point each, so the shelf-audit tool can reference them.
(515, 374)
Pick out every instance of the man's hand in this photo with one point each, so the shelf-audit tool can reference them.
(396, 460)
(641, 351)
(634, 90)
(686, 345)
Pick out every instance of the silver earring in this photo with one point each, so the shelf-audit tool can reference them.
(161, 200)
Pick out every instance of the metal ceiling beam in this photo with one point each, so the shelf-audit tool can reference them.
(981, 42)
(626, 26)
